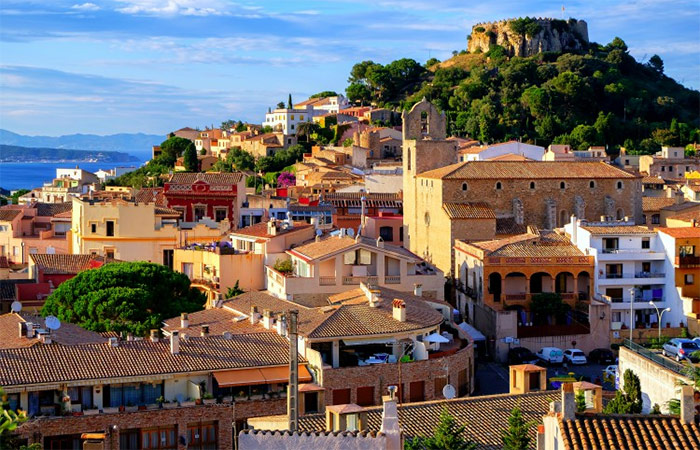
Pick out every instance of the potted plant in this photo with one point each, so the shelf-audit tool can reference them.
(167, 404)
(91, 411)
(208, 399)
(256, 393)
(242, 395)
(130, 407)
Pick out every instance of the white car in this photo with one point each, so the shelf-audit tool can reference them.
(610, 371)
(551, 355)
(575, 356)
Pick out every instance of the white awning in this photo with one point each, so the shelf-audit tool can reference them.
(436, 337)
(369, 341)
(471, 331)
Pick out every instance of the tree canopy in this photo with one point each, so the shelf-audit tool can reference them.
(448, 436)
(629, 399)
(516, 436)
(190, 159)
(598, 96)
(127, 296)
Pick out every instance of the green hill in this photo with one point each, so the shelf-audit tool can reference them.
(599, 95)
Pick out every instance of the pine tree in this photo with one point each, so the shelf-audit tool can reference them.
(580, 401)
(628, 400)
(289, 102)
(190, 159)
(516, 436)
(448, 436)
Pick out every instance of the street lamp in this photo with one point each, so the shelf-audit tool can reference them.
(631, 312)
(659, 315)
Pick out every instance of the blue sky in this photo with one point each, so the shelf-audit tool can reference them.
(152, 66)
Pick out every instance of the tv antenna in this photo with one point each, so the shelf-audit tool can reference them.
(448, 391)
(52, 323)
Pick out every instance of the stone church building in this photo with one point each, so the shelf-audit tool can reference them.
(481, 200)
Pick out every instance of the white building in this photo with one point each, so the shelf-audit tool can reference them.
(325, 105)
(287, 120)
(110, 174)
(515, 148)
(630, 257)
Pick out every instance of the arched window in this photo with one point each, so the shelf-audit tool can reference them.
(619, 184)
(562, 185)
(409, 159)
(591, 184)
(620, 214)
(426, 218)
(532, 185)
(464, 186)
(499, 186)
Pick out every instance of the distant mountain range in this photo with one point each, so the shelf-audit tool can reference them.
(15, 153)
(137, 144)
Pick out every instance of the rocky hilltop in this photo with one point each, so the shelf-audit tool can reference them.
(529, 36)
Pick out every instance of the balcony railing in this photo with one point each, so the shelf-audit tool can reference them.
(392, 279)
(516, 297)
(327, 281)
(655, 357)
(349, 281)
(636, 300)
(649, 275)
(687, 261)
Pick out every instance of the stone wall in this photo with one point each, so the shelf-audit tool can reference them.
(659, 385)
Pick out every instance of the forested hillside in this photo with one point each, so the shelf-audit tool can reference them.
(598, 96)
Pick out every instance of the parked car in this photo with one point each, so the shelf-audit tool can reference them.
(697, 340)
(551, 355)
(681, 349)
(609, 372)
(521, 355)
(601, 356)
(575, 356)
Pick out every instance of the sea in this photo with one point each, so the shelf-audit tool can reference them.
(29, 175)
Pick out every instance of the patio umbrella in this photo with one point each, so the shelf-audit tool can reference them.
(437, 338)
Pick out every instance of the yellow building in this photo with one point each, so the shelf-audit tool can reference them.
(683, 251)
(133, 231)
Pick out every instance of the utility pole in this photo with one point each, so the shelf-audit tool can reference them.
(292, 396)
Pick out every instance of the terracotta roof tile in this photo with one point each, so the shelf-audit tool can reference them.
(532, 245)
(684, 232)
(61, 263)
(652, 204)
(508, 226)
(214, 178)
(652, 180)
(485, 418)
(151, 195)
(68, 334)
(260, 230)
(474, 210)
(683, 206)
(372, 200)
(219, 321)
(628, 431)
(527, 170)
(53, 209)
(8, 214)
(617, 229)
(61, 363)
(687, 216)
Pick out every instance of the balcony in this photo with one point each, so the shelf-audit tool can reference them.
(392, 279)
(351, 281)
(687, 262)
(327, 281)
(629, 254)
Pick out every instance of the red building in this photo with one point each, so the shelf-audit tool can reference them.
(212, 195)
(348, 206)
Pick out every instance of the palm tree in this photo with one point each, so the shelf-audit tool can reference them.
(307, 129)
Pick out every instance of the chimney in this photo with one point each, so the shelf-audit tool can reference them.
(272, 228)
(568, 402)
(253, 314)
(45, 338)
(390, 421)
(399, 310)
(267, 319)
(114, 342)
(541, 442)
(418, 290)
(130, 337)
(30, 330)
(602, 218)
(175, 342)
(205, 330)
(184, 320)
(363, 201)
(154, 335)
(574, 230)
(687, 405)
(22, 329)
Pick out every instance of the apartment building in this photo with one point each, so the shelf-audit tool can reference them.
(340, 262)
(211, 195)
(67, 184)
(34, 228)
(287, 120)
(133, 231)
(670, 163)
(632, 270)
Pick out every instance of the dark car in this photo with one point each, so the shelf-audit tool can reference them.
(521, 355)
(602, 356)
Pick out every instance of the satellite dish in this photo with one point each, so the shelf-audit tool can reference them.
(16, 306)
(319, 232)
(351, 232)
(52, 323)
(449, 391)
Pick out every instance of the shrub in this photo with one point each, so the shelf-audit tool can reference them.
(284, 266)
(479, 29)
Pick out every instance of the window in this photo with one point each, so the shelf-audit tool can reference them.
(670, 168)
(610, 244)
(386, 233)
(532, 185)
(663, 168)
(646, 267)
(591, 184)
(110, 228)
(646, 243)
(292, 126)
(365, 396)
(619, 184)
(310, 402)
(188, 269)
(562, 185)
(686, 250)
(220, 214)
(426, 218)
(341, 396)
(289, 141)
(620, 214)
(201, 436)
(689, 278)
(109, 253)
(627, 162)
(292, 116)
(655, 219)
(499, 186)
(93, 228)
(199, 212)
(301, 117)
(464, 186)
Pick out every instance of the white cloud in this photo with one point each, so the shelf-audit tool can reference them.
(86, 7)
(175, 7)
